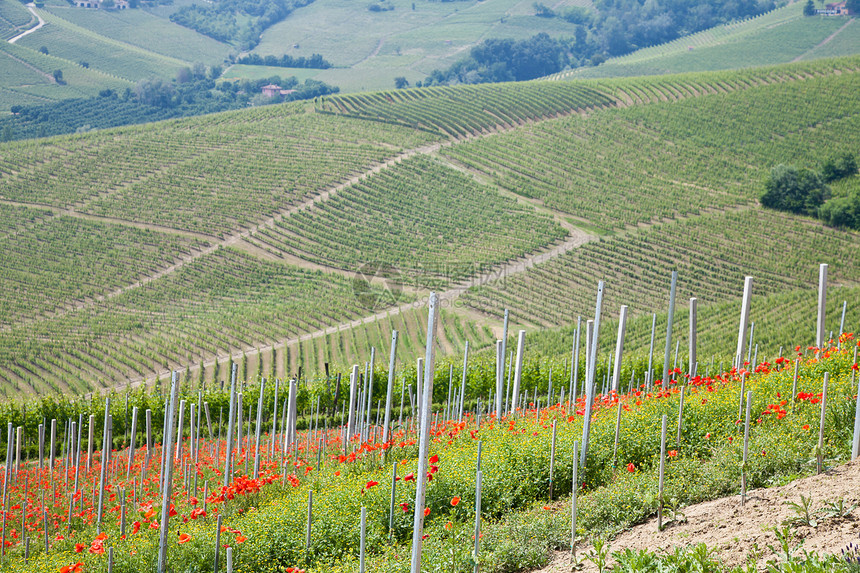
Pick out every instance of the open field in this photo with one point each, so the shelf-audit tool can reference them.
(370, 49)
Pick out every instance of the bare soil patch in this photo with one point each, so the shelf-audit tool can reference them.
(742, 533)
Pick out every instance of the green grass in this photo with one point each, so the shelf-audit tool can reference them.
(779, 36)
(149, 32)
(373, 48)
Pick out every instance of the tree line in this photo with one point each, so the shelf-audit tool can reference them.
(193, 92)
(612, 28)
(806, 192)
(315, 61)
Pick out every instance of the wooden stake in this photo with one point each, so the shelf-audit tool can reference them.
(478, 480)
(670, 320)
(518, 373)
(573, 489)
(552, 458)
(592, 339)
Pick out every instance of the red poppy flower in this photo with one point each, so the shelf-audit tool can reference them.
(455, 500)
(672, 453)
(434, 458)
(184, 538)
(631, 467)
(404, 506)
(426, 511)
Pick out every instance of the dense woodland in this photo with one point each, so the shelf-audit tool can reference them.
(239, 22)
(193, 93)
(613, 28)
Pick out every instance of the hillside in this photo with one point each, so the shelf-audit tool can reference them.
(779, 36)
(144, 223)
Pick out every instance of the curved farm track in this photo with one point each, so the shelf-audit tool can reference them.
(736, 533)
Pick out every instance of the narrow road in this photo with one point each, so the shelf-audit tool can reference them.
(32, 8)
(825, 41)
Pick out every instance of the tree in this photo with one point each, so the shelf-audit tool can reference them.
(853, 6)
(400, 82)
(58, 76)
(795, 190)
(809, 8)
(842, 212)
(835, 168)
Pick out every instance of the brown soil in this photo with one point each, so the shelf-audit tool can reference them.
(739, 533)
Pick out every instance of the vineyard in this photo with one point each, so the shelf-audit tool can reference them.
(31, 76)
(704, 251)
(388, 218)
(466, 110)
(14, 19)
(270, 159)
(148, 32)
(294, 200)
(580, 166)
(187, 306)
(284, 492)
(75, 44)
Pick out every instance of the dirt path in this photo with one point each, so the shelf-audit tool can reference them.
(31, 7)
(739, 534)
(825, 41)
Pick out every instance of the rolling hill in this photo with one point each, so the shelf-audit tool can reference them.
(255, 235)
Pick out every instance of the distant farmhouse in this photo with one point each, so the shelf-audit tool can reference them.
(273, 90)
(835, 9)
(103, 4)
